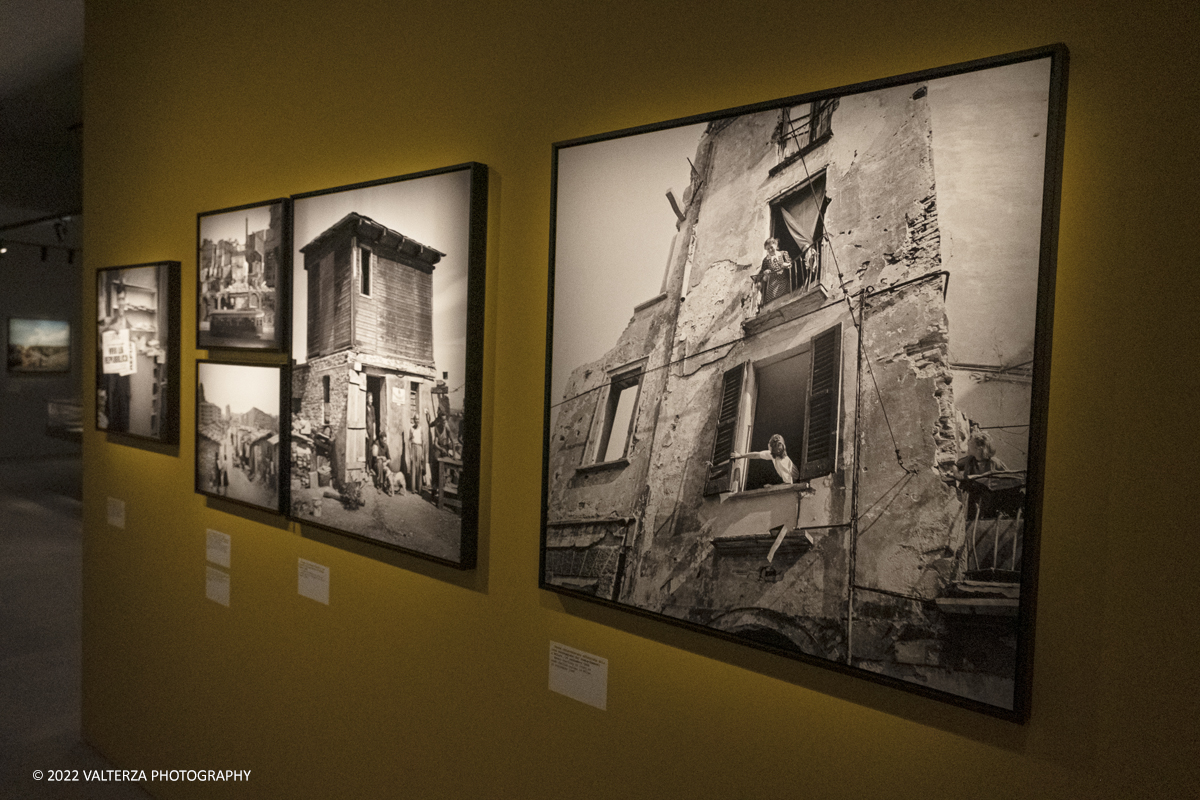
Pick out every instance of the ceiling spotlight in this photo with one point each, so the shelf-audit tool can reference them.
(3, 248)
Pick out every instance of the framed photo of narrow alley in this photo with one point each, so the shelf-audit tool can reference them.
(137, 351)
(243, 274)
(387, 337)
(241, 447)
(797, 373)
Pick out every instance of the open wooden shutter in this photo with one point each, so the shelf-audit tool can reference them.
(824, 396)
(721, 471)
(356, 420)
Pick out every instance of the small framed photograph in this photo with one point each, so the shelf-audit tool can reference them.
(387, 333)
(798, 370)
(241, 446)
(243, 270)
(137, 353)
(39, 345)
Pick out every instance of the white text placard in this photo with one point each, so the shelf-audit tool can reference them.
(216, 587)
(218, 546)
(116, 513)
(314, 581)
(579, 675)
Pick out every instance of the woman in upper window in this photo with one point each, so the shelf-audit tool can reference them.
(775, 276)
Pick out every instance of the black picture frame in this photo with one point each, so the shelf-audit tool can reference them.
(241, 433)
(374, 347)
(830, 445)
(138, 399)
(243, 277)
(38, 346)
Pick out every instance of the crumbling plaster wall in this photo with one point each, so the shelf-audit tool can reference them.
(734, 217)
(907, 539)
(577, 492)
(881, 187)
(680, 522)
(882, 219)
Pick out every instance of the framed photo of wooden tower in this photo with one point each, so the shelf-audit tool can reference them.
(388, 296)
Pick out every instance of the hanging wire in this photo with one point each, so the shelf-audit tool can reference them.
(857, 323)
(673, 362)
(850, 308)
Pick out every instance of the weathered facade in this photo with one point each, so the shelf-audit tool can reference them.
(846, 356)
(370, 366)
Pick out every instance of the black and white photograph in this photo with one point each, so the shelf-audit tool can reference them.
(386, 345)
(238, 444)
(797, 371)
(243, 268)
(39, 345)
(137, 351)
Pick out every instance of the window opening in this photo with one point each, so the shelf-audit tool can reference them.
(796, 396)
(798, 225)
(778, 410)
(619, 412)
(364, 272)
(804, 125)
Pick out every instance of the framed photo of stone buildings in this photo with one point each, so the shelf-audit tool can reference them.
(137, 351)
(243, 274)
(797, 373)
(387, 301)
(241, 448)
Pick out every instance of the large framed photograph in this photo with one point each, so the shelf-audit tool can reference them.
(387, 334)
(240, 445)
(797, 373)
(39, 345)
(137, 353)
(243, 260)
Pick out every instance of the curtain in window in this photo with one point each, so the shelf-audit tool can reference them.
(799, 212)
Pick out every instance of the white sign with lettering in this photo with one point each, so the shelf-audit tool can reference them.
(314, 581)
(118, 353)
(217, 586)
(579, 675)
(218, 547)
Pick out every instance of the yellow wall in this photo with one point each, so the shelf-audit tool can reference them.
(418, 681)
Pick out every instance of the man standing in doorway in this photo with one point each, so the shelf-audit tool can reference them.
(416, 456)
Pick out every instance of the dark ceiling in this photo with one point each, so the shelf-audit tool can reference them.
(41, 53)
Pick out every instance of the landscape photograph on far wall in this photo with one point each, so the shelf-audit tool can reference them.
(39, 345)
(238, 443)
(797, 371)
(385, 384)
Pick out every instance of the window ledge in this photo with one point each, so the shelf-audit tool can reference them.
(786, 308)
(803, 487)
(603, 466)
